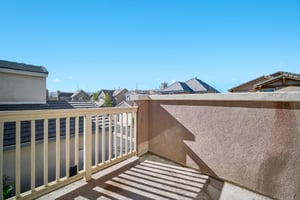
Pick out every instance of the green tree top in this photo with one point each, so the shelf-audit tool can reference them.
(107, 100)
(95, 96)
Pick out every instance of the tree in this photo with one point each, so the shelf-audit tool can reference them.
(95, 96)
(107, 100)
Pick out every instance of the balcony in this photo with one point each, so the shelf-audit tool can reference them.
(230, 146)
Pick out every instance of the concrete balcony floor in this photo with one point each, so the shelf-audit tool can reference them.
(146, 177)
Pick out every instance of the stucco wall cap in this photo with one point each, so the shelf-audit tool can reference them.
(259, 96)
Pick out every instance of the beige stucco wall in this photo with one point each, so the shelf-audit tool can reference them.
(22, 88)
(252, 143)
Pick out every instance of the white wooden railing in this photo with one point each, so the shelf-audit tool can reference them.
(109, 135)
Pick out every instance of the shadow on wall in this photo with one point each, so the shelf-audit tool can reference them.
(253, 144)
(280, 156)
(167, 130)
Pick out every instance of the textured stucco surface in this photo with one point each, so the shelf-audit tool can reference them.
(143, 127)
(255, 144)
(16, 89)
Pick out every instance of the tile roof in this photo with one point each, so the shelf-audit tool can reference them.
(22, 67)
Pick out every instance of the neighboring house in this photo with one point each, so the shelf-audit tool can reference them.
(101, 96)
(22, 83)
(133, 95)
(126, 104)
(64, 96)
(177, 88)
(199, 86)
(80, 95)
(270, 83)
(119, 96)
(191, 86)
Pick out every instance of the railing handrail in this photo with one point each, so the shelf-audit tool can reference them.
(22, 115)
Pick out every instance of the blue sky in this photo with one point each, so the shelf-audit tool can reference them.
(133, 44)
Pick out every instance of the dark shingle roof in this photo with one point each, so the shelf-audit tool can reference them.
(177, 87)
(49, 105)
(22, 67)
(199, 86)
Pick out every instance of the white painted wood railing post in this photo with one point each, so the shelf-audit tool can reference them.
(45, 151)
(121, 134)
(77, 142)
(126, 130)
(131, 132)
(1, 156)
(57, 149)
(18, 159)
(135, 130)
(103, 139)
(88, 147)
(96, 140)
(115, 135)
(110, 138)
(32, 155)
(67, 147)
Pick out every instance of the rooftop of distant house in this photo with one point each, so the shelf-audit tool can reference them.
(22, 67)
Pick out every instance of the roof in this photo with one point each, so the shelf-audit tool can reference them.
(110, 92)
(79, 92)
(251, 82)
(22, 67)
(199, 86)
(48, 106)
(126, 104)
(116, 92)
(193, 85)
(266, 79)
(178, 87)
(66, 94)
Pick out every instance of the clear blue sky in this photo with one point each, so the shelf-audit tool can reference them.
(110, 44)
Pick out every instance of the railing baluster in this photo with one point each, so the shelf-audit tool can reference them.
(109, 138)
(76, 142)
(135, 131)
(115, 136)
(87, 147)
(96, 140)
(121, 134)
(131, 132)
(126, 130)
(57, 149)
(32, 155)
(18, 159)
(1, 156)
(67, 146)
(103, 139)
(45, 152)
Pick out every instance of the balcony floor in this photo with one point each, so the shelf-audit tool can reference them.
(147, 177)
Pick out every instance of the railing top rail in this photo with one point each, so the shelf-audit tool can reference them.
(6, 116)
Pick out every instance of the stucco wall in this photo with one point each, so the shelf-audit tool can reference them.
(255, 144)
(17, 88)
